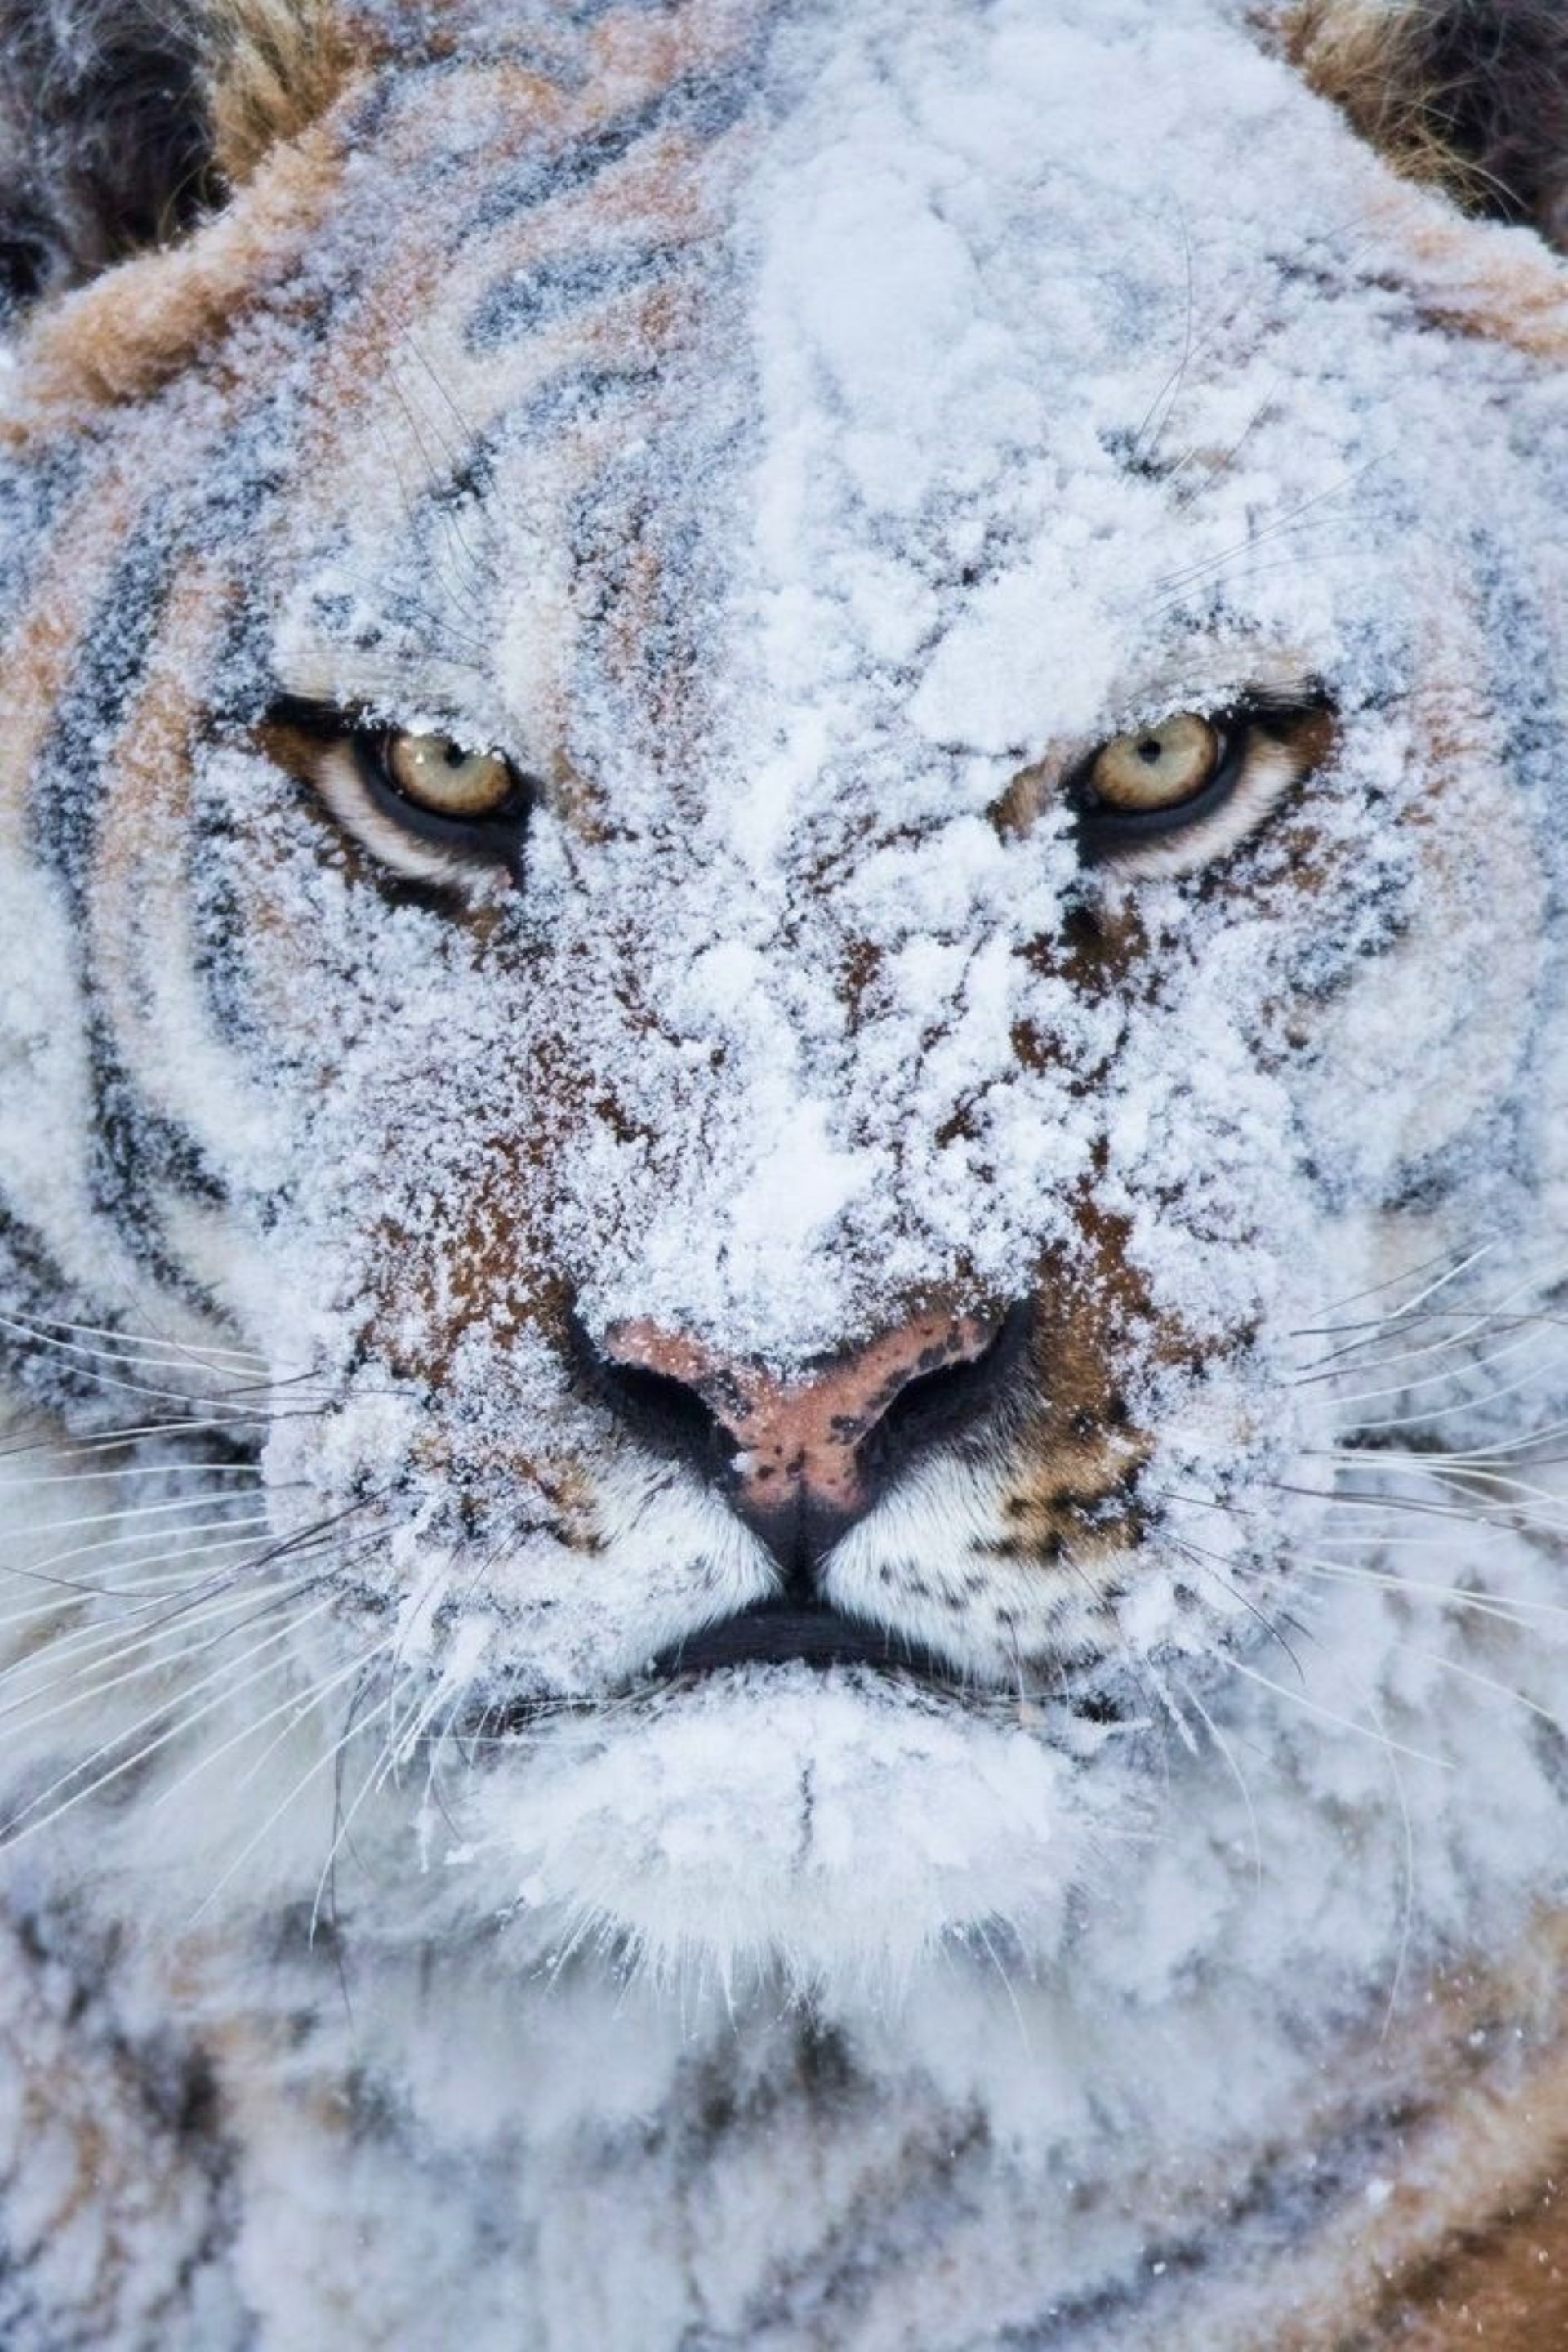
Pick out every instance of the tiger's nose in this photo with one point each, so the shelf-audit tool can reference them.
(804, 1459)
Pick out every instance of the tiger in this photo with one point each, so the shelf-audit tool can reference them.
(783, 1165)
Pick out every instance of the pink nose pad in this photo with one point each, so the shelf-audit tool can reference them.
(799, 1441)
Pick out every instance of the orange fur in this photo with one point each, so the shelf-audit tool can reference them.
(280, 66)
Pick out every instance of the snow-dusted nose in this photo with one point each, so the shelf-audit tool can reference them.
(802, 1459)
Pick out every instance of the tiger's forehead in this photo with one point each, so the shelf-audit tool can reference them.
(890, 393)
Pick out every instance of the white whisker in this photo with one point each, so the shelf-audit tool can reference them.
(194, 1586)
(181, 1532)
(126, 1515)
(139, 1593)
(22, 1825)
(46, 1325)
(94, 1684)
(1448, 1472)
(1224, 1749)
(135, 1470)
(1342, 1722)
(296, 1706)
(1448, 1375)
(322, 1764)
(1509, 1610)
(1452, 1272)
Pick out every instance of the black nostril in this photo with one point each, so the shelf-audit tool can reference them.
(665, 1414)
(948, 1400)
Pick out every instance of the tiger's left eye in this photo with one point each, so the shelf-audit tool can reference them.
(1158, 767)
(1166, 799)
(438, 774)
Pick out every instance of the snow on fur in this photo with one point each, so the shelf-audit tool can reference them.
(933, 395)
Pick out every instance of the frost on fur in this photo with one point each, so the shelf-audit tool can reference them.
(825, 467)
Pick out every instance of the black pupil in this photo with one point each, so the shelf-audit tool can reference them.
(1150, 750)
(453, 757)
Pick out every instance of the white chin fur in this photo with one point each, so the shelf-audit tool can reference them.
(846, 1830)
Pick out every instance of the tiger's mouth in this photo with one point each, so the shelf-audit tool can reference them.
(781, 1634)
(815, 1638)
(784, 1633)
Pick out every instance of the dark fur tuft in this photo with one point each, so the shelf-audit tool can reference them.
(1495, 78)
(104, 137)
(1471, 93)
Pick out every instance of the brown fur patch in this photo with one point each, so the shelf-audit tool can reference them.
(1502, 2283)
(1470, 280)
(1364, 58)
(1466, 2245)
(128, 333)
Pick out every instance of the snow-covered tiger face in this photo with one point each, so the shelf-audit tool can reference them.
(806, 762)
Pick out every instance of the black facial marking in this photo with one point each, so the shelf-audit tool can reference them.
(136, 1153)
(546, 294)
(705, 103)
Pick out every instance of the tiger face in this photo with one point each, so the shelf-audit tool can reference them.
(777, 818)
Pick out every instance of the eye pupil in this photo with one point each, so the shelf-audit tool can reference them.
(1158, 768)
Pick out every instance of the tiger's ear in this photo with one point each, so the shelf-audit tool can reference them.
(1469, 94)
(121, 122)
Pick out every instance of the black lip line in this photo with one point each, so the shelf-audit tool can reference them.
(771, 1633)
(775, 1635)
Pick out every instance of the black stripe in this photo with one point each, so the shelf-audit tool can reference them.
(578, 395)
(30, 501)
(583, 393)
(552, 290)
(217, 929)
(243, 662)
(110, 662)
(1279, 2212)
(33, 1285)
(705, 102)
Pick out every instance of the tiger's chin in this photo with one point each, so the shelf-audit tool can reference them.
(844, 1827)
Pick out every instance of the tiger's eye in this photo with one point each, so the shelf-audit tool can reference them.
(1158, 767)
(436, 773)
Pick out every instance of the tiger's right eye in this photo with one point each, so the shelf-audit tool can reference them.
(431, 807)
(429, 802)
(1170, 797)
